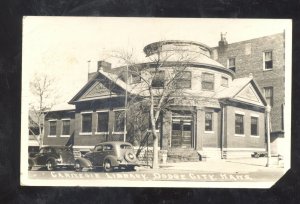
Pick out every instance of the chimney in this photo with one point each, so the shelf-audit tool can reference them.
(223, 42)
(104, 66)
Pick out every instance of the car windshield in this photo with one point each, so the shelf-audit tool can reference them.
(125, 146)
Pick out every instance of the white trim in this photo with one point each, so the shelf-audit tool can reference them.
(239, 135)
(66, 119)
(245, 149)
(255, 136)
(85, 133)
(101, 133)
(51, 135)
(62, 127)
(101, 111)
(209, 132)
(254, 115)
(118, 133)
(85, 112)
(264, 67)
(52, 120)
(239, 112)
(119, 109)
(97, 122)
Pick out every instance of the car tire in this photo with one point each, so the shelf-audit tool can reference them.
(50, 165)
(130, 156)
(107, 167)
(78, 167)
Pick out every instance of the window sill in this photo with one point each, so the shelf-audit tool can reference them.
(51, 135)
(209, 132)
(65, 136)
(255, 136)
(239, 135)
(266, 70)
(101, 133)
(85, 133)
(118, 133)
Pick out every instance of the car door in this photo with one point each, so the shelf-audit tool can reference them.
(98, 156)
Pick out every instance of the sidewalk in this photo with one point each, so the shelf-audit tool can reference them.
(244, 165)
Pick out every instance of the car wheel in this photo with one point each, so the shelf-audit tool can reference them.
(107, 166)
(78, 166)
(50, 165)
(130, 156)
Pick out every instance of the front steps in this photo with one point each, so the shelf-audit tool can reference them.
(182, 155)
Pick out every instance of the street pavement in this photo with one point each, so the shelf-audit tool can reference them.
(231, 170)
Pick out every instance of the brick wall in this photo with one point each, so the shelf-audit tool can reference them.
(233, 140)
(249, 59)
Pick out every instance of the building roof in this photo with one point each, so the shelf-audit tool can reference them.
(62, 107)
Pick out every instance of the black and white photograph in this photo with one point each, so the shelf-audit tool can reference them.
(155, 102)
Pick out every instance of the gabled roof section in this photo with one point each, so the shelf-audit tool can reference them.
(243, 89)
(99, 86)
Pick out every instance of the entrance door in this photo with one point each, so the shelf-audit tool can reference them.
(181, 132)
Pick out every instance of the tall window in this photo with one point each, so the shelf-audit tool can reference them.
(268, 60)
(86, 125)
(158, 80)
(254, 126)
(231, 64)
(102, 122)
(208, 81)
(52, 130)
(269, 95)
(239, 124)
(184, 79)
(65, 127)
(208, 121)
(224, 81)
(119, 121)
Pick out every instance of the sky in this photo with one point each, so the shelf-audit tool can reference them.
(62, 46)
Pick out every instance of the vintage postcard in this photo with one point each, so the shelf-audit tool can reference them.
(155, 102)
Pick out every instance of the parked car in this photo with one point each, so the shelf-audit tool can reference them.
(108, 155)
(52, 157)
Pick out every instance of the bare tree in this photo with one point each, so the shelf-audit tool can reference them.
(160, 82)
(43, 98)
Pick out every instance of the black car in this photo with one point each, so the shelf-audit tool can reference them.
(108, 155)
(52, 157)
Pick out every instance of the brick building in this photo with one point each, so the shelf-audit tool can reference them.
(215, 114)
(264, 57)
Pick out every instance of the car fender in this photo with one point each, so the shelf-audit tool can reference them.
(84, 162)
(112, 159)
(51, 159)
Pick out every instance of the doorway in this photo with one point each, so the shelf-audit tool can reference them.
(182, 132)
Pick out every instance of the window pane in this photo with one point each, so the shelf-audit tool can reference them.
(269, 95)
(119, 121)
(231, 62)
(135, 78)
(224, 81)
(66, 127)
(87, 122)
(268, 56)
(239, 124)
(176, 126)
(158, 80)
(207, 81)
(208, 121)
(102, 122)
(184, 80)
(254, 126)
(268, 60)
(52, 128)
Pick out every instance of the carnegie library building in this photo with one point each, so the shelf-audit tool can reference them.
(210, 112)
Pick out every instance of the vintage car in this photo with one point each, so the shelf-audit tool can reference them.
(52, 157)
(109, 156)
